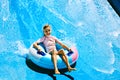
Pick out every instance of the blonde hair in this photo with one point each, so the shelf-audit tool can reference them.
(47, 25)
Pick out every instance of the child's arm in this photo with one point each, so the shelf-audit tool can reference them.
(35, 45)
(64, 46)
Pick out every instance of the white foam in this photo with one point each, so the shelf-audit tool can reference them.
(69, 43)
(57, 14)
(5, 18)
(22, 50)
(107, 67)
(115, 33)
(5, 10)
(3, 44)
(62, 31)
(80, 24)
(110, 71)
(110, 44)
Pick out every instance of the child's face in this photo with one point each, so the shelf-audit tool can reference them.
(47, 31)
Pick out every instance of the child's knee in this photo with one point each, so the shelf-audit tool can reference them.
(53, 52)
(62, 52)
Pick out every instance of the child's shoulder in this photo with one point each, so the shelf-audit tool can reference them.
(42, 38)
(54, 37)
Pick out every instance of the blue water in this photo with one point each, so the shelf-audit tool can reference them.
(91, 25)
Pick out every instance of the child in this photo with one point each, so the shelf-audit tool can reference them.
(49, 43)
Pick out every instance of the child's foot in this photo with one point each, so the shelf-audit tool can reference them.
(57, 72)
(71, 69)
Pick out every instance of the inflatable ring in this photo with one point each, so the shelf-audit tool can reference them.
(45, 60)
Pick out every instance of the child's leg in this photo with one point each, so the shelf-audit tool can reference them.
(54, 58)
(65, 59)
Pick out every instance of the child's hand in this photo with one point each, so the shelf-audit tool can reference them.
(39, 50)
(70, 50)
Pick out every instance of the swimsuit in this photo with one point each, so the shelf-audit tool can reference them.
(49, 42)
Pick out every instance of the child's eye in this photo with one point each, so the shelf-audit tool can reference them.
(47, 30)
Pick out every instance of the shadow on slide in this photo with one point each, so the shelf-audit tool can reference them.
(49, 72)
(115, 5)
